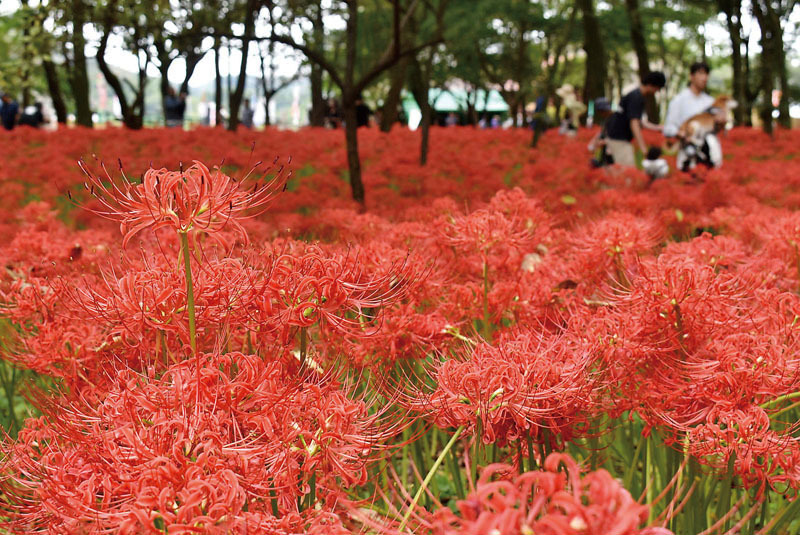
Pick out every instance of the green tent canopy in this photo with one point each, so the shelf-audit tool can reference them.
(455, 100)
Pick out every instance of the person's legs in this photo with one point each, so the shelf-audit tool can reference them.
(622, 152)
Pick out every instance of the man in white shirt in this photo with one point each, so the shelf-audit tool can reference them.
(689, 102)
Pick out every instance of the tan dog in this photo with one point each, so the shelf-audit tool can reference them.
(695, 128)
(697, 142)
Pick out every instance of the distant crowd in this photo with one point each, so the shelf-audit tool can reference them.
(11, 115)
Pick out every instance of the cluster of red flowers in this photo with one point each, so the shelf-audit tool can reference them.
(253, 351)
(547, 502)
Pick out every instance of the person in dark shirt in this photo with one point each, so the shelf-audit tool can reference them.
(174, 108)
(32, 117)
(625, 125)
(8, 111)
(362, 113)
(247, 114)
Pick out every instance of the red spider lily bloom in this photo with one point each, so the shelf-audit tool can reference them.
(547, 502)
(762, 456)
(152, 454)
(187, 201)
(524, 384)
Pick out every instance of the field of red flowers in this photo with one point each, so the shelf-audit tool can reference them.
(201, 333)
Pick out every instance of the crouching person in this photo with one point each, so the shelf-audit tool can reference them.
(624, 127)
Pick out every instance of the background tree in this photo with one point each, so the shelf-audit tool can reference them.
(642, 56)
(352, 82)
(770, 16)
(127, 17)
(596, 62)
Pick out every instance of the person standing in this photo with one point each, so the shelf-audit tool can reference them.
(8, 111)
(333, 116)
(174, 108)
(625, 125)
(362, 112)
(692, 100)
(247, 114)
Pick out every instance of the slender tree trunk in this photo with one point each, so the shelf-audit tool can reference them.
(79, 78)
(164, 62)
(419, 84)
(132, 112)
(192, 59)
(761, 10)
(349, 104)
(397, 77)
(236, 98)
(595, 51)
(750, 94)
(265, 86)
(217, 84)
(353, 158)
(318, 108)
(784, 118)
(640, 47)
(733, 13)
(51, 74)
(229, 78)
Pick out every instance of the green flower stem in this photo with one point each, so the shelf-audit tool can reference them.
(487, 329)
(650, 479)
(187, 266)
(455, 473)
(429, 476)
(776, 401)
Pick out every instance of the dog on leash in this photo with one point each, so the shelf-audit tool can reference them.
(698, 136)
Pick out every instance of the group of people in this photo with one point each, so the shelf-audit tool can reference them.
(692, 121)
(11, 115)
(334, 117)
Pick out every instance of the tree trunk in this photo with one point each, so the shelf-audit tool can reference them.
(164, 62)
(418, 84)
(784, 118)
(79, 78)
(51, 74)
(132, 113)
(595, 52)
(353, 158)
(192, 59)
(217, 85)
(750, 95)
(640, 47)
(770, 42)
(236, 98)
(266, 89)
(349, 104)
(318, 107)
(397, 76)
(733, 12)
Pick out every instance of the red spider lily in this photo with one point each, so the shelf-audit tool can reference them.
(484, 230)
(515, 389)
(547, 502)
(334, 291)
(762, 457)
(187, 201)
(147, 457)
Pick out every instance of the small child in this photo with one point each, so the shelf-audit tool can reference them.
(654, 165)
